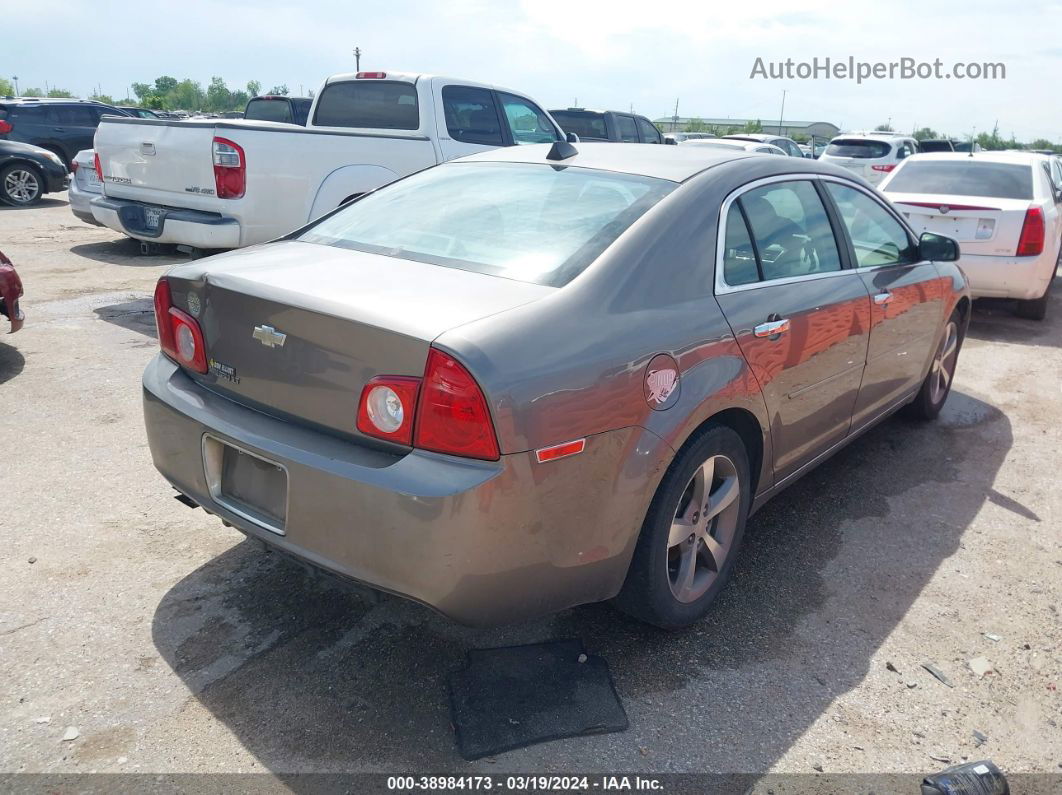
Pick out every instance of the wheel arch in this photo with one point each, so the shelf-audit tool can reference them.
(746, 425)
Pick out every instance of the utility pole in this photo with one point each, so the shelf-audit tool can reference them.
(781, 115)
(15, 78)
(357, 59)
(674, 118)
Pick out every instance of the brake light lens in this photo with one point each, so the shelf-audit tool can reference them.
(886, 167)
(1033, 231)
(452, 414)
(96, 164)
(370, 75)
(5, 127)
(230, 169)
(387, 406)
(74, 166)
(179, 334)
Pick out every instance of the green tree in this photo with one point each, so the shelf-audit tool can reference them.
(33, 92)
(164, 85)
(753, 127)
(884, 128)
(925, 133)
(254, 88)
(217, 96)
(186, 95)
(696, 125)
(6, 88)
(281, 90)
(59, 93)
(104, 98)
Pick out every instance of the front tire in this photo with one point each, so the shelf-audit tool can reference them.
(21, 185)
(692, 532)
(937, 385)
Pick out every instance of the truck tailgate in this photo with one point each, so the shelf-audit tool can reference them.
(159, 162)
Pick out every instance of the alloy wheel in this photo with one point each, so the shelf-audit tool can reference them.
(943, 367)
(703, 528)
(21, 186)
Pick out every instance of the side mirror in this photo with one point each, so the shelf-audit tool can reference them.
(671, 141)
(937, 248)
(571, 138)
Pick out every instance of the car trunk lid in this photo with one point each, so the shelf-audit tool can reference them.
(296, 329)
(986, 226)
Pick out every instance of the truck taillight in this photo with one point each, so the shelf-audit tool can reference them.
(1033, 231)
(230, 169)
(97, 166)
(5, 127)
(179, 334)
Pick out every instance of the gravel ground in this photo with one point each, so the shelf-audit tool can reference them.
(171, 645)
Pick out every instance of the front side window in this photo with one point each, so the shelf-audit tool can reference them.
(528, 124)
(628, 132)
(471, 115)
(371, 104)
(524, 221)
(791, 229)
(877, 237)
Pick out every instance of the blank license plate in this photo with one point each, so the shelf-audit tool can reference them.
(152, 216)
(247, 484)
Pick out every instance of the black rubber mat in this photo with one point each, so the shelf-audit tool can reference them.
(520, 695)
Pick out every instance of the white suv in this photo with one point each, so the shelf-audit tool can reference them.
(870, 155)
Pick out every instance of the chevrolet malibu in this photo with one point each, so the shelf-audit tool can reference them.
(549, 375)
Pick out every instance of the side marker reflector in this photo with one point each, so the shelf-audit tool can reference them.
(563, 450)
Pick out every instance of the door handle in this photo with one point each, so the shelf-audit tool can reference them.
(772, 328)
(881, 299)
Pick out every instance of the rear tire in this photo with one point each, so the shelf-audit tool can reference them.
(937, 385)
(21, 184)
(692, 532)
(1034, 308)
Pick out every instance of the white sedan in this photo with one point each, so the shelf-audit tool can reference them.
(1004, 209)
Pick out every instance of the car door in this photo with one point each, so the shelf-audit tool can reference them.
(467, 119)
(907, 295)
(76, 126)
(800, 316)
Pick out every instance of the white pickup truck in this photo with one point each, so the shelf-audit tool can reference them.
(215, 184)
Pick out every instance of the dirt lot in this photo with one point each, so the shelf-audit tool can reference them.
(172, 645)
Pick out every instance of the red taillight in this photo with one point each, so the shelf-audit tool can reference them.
(5, 127)
(179, 334)
(230, 169)
(96, 164)
(452, 414)
(370, 75)
(387, 406)
(74, 166)
(1033, 231)
(886, 167)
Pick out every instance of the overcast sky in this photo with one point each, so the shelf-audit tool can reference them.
(605, 54)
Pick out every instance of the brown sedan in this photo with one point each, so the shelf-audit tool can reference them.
(544, 376)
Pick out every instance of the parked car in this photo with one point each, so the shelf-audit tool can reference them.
(724, 143)
(607, 125)
(870, 155)
(270, 107)
(1004, 208)
(140, 113)
(28, 172)
(10, 293)
(680, 137)
(575, 382)
(936, 145)
(226, 184)
(787, 145)
(62, 126)
(85, 186)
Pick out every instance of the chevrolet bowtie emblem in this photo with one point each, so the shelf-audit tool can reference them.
(269, 336)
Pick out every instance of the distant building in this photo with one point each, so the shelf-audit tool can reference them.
(818, 129)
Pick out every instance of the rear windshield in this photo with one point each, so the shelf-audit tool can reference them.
(376, 104)
(528, 222)
(857, 147)
(583, 123)
(936, 146)
(962, 177)
(268, 110)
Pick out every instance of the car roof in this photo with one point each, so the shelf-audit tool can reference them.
(758, 137)
(674, 163)
(875, 136)
(982, 157)
(55, 100)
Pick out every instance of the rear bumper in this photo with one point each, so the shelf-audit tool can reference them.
(80, 202)
(176, 225)
(1023, 278)
(482, 542)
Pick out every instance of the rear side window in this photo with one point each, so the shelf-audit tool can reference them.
(373, 104)
(791, 230)
(739, 258)
(529, 125)
(75, 115)
(471, 115)
(628, 132)
(650, 134)
(877, 237)
(858, 147)
(586, 124)
(34, 114)
(963, 177)
(268, 110)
